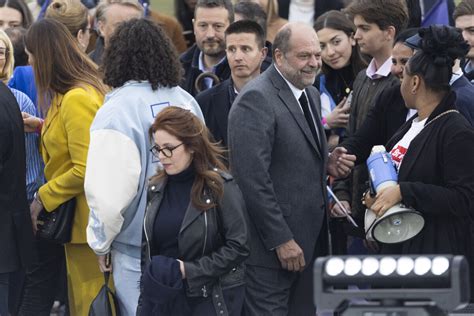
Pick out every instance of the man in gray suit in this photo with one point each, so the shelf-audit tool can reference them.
(278, 155)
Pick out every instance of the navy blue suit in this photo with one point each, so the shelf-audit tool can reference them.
(464, 98)
(215, 104)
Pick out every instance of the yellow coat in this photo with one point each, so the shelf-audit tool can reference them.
(64, 145)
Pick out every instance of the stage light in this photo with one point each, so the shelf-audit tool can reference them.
(440, 265)
(370, 266)
(408, 284)
(405, 265)
(335, 266)
(352, 266)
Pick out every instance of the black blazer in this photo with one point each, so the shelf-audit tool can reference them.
(380, 124)
(436, 177)
(215, 104)
(16, 234)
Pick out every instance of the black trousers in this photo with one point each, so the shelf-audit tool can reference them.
(4, 278)
(278, 292)
(42, 280)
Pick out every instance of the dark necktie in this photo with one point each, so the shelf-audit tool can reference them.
(309, 118)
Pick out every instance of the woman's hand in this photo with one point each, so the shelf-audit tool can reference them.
(105, 264)
(385, 199)
(339, 117)
(31, 123)
(181, 268)
(35, 209)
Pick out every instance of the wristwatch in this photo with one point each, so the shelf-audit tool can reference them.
(37, 198)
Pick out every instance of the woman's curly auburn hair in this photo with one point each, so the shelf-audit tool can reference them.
(207, 156)
(140, 50)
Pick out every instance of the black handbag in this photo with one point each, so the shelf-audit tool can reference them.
(102, 305)
(56, 226)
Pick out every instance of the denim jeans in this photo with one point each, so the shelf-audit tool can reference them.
(126, 273)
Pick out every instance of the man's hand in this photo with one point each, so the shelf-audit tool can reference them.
(35, 209)
(105, 263)
(385, 199)
(340, 163)
(291, 256)
(336, 211)
(339, 117)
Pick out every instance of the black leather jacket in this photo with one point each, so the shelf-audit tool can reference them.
(213, 244)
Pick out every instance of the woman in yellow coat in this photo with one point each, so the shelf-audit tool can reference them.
(70, 93)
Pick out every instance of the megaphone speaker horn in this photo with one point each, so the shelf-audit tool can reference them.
(397, 225)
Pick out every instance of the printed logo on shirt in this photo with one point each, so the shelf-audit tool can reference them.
(157, 107)
(397, 154)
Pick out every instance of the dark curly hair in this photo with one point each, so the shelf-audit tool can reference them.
(438, 48)
(140, 50)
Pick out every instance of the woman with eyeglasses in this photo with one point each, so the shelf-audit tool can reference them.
(196, 236)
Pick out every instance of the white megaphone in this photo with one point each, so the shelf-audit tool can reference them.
(399, 223)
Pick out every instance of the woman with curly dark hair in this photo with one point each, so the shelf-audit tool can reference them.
(196, 236)
(142, 66)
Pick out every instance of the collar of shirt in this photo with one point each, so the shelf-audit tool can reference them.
(454, 77)
(203, 68)
(296, 92)
(383, 71)
(469, 66)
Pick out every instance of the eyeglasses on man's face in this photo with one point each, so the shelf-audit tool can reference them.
(166, 151)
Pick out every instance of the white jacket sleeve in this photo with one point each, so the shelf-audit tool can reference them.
(111, 183)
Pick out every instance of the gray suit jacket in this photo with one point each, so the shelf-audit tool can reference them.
(279, 167)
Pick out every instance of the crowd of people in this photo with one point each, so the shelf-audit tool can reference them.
(198, 150)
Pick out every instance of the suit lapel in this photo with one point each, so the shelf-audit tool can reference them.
(190, 216)
(316, 109)
(292, 104)
(53, 111)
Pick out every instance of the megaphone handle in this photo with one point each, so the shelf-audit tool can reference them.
(372, 191)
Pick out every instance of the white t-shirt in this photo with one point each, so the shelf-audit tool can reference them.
(301, 11)
(400, 148)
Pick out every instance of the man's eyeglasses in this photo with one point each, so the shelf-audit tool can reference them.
(166, 151)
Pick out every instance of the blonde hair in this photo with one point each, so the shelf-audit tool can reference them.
(72, 13)
(7, 70)
(272, 10)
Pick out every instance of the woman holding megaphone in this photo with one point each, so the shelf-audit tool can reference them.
(433, 152)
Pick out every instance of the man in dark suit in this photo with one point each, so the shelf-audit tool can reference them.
(245, 46)
(278, 155)
(16, 233)
(207, 55)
